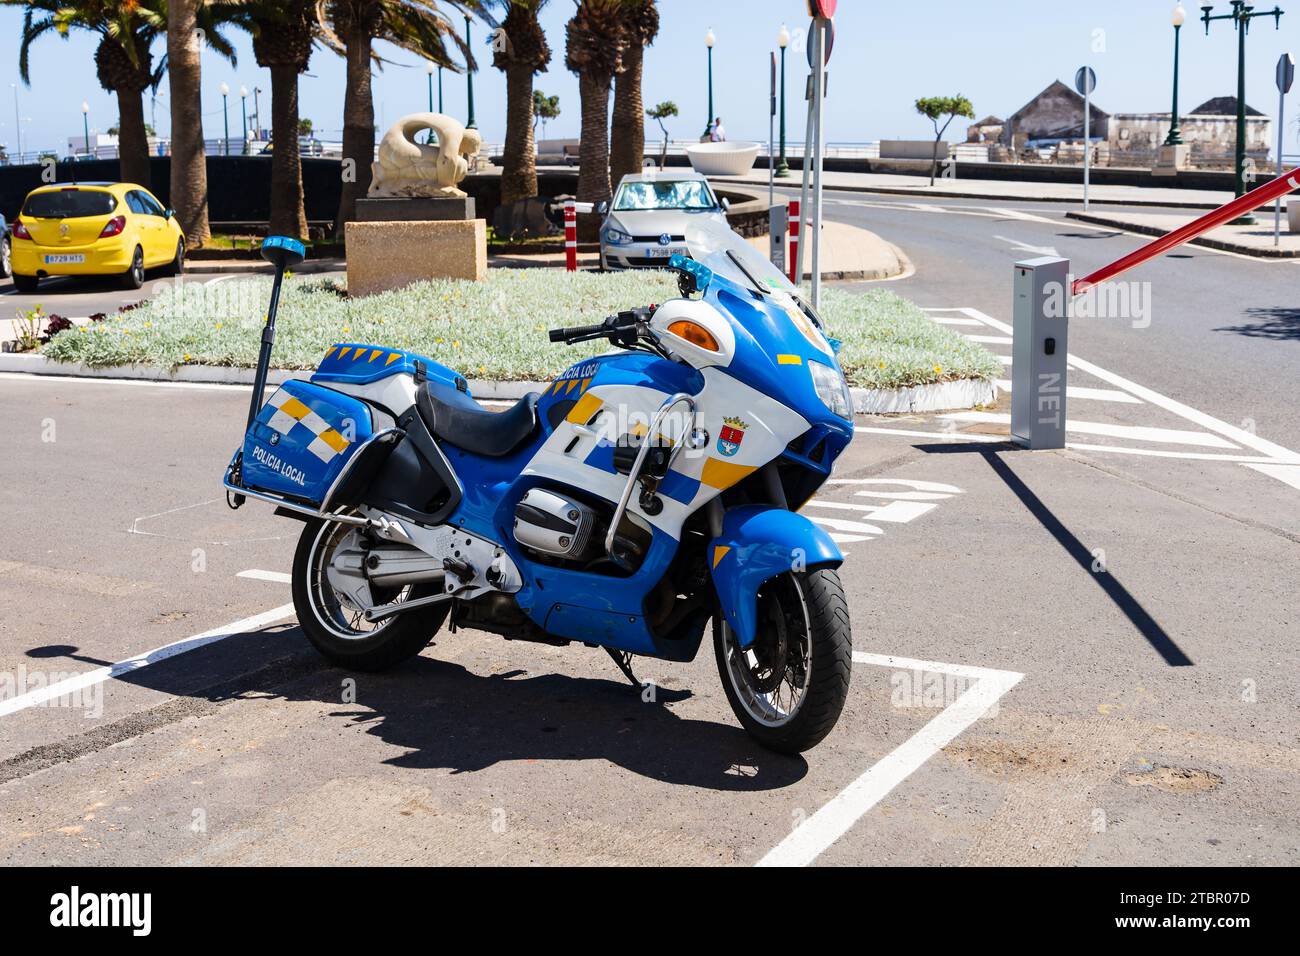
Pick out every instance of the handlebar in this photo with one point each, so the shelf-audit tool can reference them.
(574, 331)
(616, 327)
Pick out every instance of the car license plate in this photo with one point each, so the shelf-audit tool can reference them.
(64, 258)
(659, 252)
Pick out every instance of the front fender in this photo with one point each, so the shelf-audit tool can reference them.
(759, 542)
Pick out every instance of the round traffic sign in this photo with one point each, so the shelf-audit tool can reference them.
(822, 8)
(1085, 80)
(812, 42)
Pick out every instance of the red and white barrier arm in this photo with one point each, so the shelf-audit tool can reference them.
(1252, 200)
(793, 223)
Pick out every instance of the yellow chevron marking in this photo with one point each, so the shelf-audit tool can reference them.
(585, 383)
(719, 552)
(333, 349)
(789, 360)
(568, 388)
(333, 439)
(723, 474)
(393, 358)
(295, 409)
(374, 354)
(343, 352)
(583, 410)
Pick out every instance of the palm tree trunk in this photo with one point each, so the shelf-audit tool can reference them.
(358, 127)
(627, 139)
(519, 160)
(132, 140)
(593, 153)
(189, 170)
(287, 215)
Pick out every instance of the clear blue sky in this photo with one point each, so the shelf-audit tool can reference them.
(886, 55)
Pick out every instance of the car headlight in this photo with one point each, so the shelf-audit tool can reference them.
(832, 388)
(616, 236)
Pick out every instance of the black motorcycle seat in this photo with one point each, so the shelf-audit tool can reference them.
(455, 417)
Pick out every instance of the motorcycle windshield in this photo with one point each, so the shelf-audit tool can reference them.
(778, 334)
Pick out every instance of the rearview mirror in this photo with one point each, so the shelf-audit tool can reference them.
(283, 252)
(602, 208)
(168, 213)
(725, 203)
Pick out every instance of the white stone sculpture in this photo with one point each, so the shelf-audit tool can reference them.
(408, 168)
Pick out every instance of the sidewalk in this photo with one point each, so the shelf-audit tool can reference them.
(998, 190)
(849, 252)
(1256, 240)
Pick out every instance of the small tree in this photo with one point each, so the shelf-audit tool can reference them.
(936, 108)
(660, 113)
(544, 108)
(304, 127)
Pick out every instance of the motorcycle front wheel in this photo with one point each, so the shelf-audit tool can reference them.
(788, 687)
(336, 626)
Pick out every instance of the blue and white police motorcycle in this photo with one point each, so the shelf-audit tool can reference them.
(643, 495)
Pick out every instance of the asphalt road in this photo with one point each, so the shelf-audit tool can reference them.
(1129, 616)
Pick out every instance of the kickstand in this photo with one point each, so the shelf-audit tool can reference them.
(624, 662)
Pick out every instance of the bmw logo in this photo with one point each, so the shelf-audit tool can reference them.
(665, 239)
(275, 438)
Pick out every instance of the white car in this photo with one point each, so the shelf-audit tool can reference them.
(648, 220)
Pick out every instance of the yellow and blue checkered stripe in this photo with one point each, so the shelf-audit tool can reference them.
(290, 413)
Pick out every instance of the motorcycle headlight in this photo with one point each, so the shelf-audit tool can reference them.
(616, 236)
(832, 388)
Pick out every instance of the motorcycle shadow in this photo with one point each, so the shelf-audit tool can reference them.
(445, 716)
(441, 715)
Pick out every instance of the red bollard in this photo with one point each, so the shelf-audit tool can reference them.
(793, 226)
(570, 236)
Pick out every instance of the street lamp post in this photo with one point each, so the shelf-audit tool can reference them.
(243, 115)
(470, 76)
(18, 123)
(782, 40)
(428, 73)
(1241, 15)
(708, 42)
(225, 116)
(1175, 137)
(85, 126)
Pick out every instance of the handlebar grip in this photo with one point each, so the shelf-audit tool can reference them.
(563, 335)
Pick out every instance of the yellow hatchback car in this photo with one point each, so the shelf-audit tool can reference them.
(91, 229)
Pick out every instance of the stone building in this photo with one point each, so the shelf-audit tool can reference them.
(1210, 131)
(987, 130)
(1053, 115)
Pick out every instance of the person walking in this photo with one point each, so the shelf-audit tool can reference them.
(718, 134)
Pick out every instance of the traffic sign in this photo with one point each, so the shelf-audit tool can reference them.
(1085, 80)
(1285, 72)
(812, 40)
(822, 8)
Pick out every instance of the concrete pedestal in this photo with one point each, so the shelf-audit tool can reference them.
(1172, 159)
(391, 255)
(413, 208)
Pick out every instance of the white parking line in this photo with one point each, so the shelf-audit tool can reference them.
(989, 339)
(819, 831)
(257, 574)
(73, 684)
(1170, 436)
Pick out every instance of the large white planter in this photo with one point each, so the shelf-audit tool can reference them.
(722, 159)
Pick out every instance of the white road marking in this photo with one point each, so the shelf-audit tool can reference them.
(1286, 473)
(135, 525)
(839, 524)
(1025, 247)
(1166, 453)
(847, 539)
(1172, 436)
(257, 574)
(990, 339)
(945, 436)
(836, 818)
(100, 674)
(1080, 391)
(950, 321)
(1004, 359)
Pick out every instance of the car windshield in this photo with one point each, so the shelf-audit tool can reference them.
(669, 194)
(69, 204)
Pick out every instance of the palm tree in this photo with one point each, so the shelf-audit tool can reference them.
(123, 62)
(521, 52)
(189, 174)
(594, 51)
(284, 33)
(627, 138)
(353, 26)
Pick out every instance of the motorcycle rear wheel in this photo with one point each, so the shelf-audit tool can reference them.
(788, 687)
(336, 627)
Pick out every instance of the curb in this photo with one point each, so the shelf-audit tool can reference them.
(939, 396)
(258, 267)
(1258, 252)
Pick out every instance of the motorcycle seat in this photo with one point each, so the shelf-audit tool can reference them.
(455, 417)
